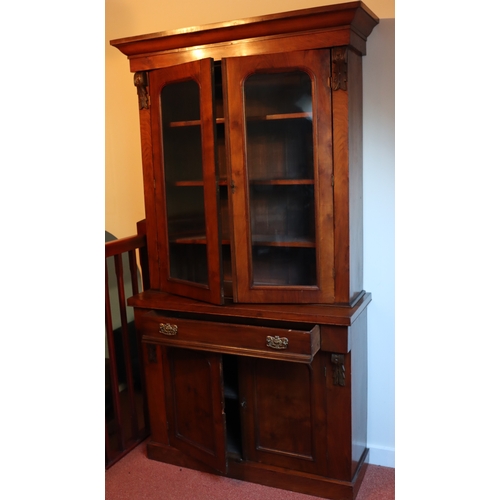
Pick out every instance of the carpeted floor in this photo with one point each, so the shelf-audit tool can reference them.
(136, 478)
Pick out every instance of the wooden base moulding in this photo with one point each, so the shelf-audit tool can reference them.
(274, 477)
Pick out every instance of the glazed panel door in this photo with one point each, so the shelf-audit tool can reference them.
(185, 188)
(280, 143)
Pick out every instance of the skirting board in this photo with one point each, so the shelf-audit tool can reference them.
(382, 456)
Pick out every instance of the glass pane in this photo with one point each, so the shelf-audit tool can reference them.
(282, 213)
(182, 159)
(280, 166)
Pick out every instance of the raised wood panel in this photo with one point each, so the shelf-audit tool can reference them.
(196, 419)
(283, 414)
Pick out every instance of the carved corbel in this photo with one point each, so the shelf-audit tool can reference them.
(338, 369)
(339, 68)
(141, 82)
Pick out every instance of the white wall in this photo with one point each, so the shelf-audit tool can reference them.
(379, 166)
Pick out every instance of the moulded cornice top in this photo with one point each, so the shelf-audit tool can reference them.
(355, 16)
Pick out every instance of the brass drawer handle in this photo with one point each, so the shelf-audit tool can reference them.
(277, 342)
(168, 329)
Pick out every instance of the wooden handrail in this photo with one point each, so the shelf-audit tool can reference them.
(125, 245)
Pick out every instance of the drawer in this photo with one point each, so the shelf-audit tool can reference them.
(244, 340)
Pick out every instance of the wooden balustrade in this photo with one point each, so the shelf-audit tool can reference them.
(125, 399)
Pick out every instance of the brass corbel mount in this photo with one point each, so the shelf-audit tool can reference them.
(338, 369)
(141, 82)
(339, 68)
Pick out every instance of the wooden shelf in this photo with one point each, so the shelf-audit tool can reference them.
(281, 116)
(221, 121)
(193, 123)
(187, 123)
(190, 240)
(195, 240)
(187, 183)
(259, 240)
(268, 241)
(282, 182)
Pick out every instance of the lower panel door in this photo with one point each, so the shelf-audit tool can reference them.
(283, 414)
(195, 405)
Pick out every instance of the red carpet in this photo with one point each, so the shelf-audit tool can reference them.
(137, 478)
